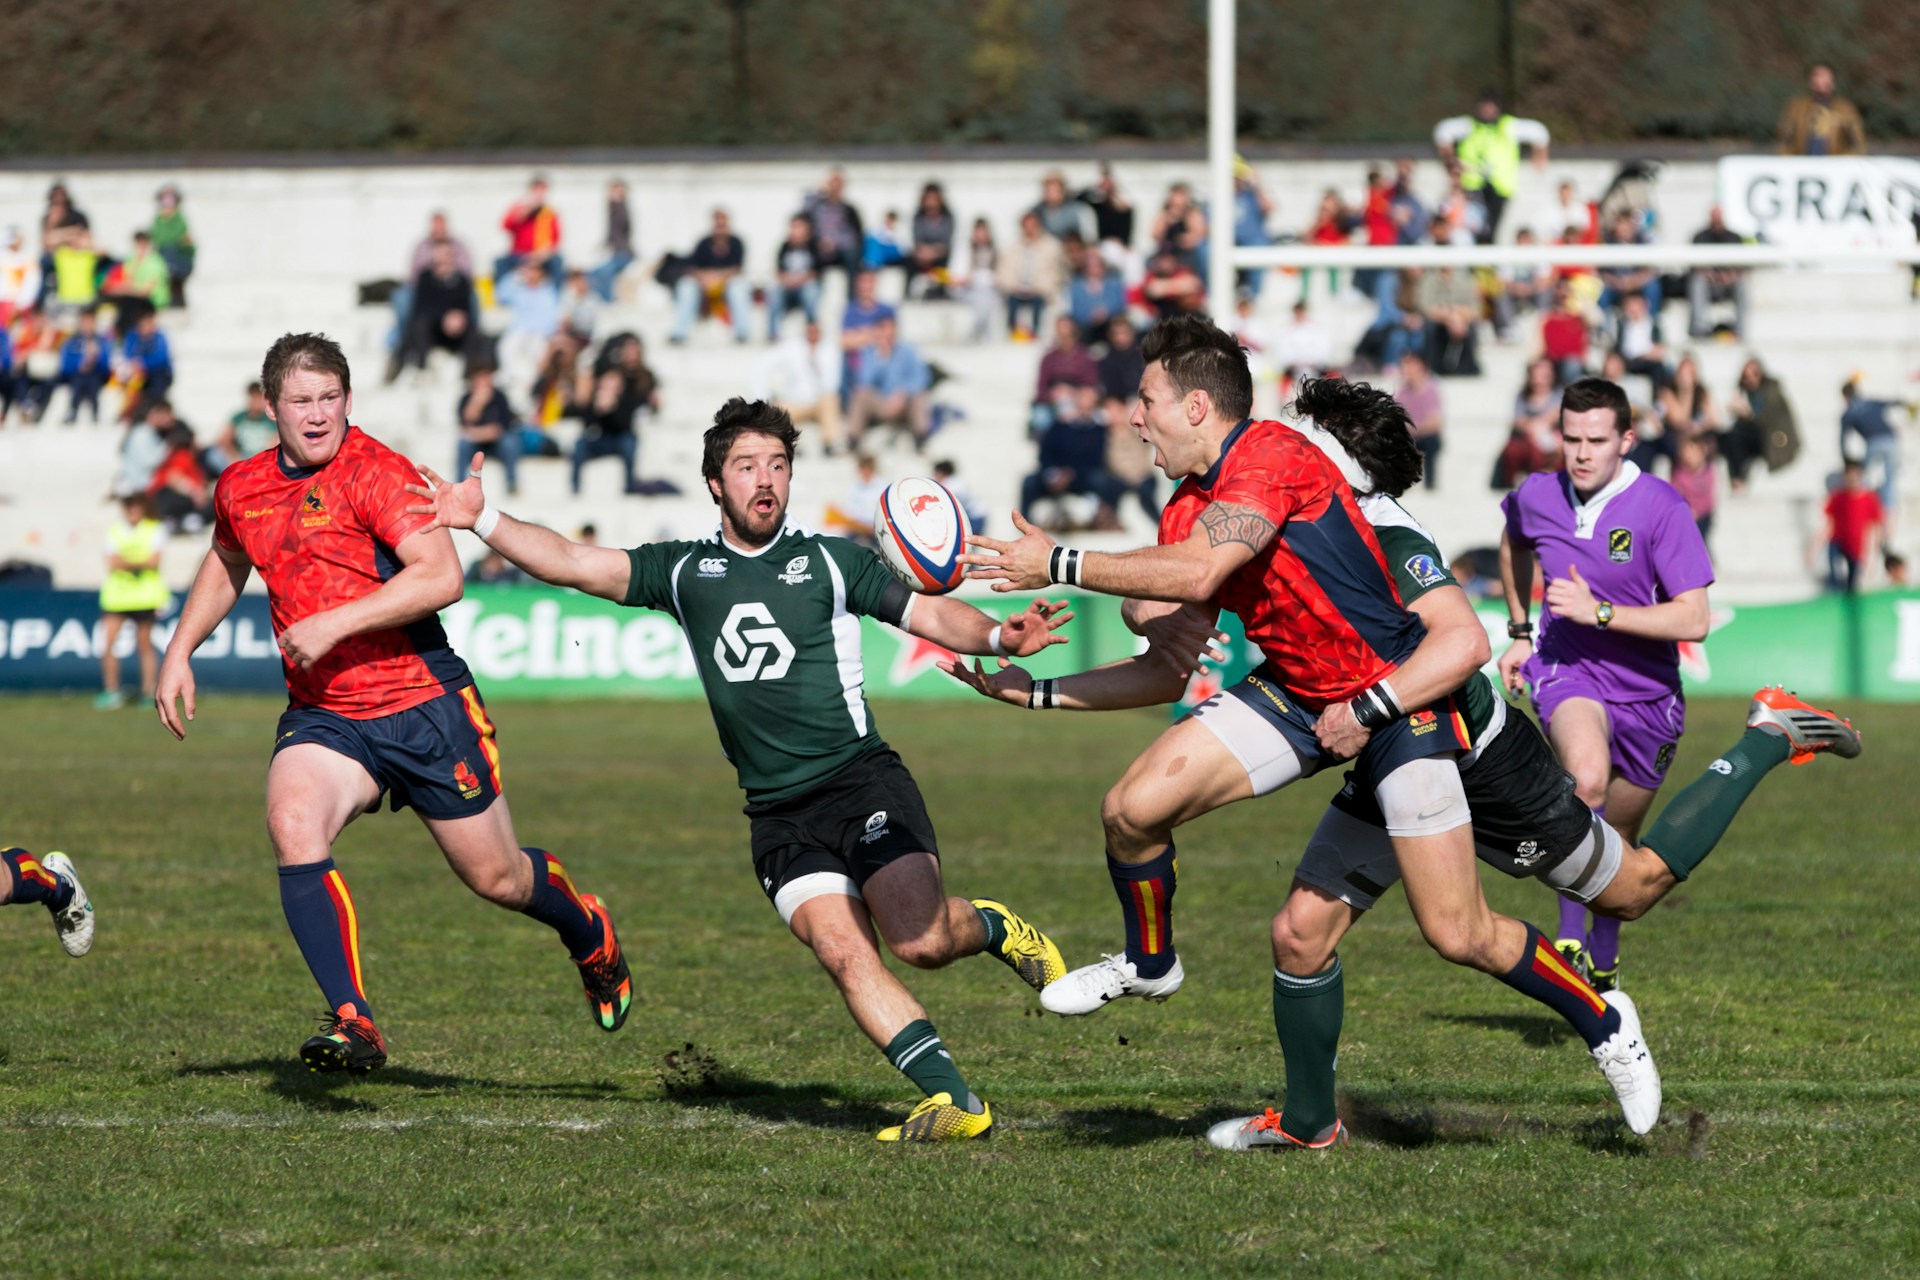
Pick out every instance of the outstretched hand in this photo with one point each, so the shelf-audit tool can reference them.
(1020, 565)
(452, 506)
(1008, 684)
(1033, 628)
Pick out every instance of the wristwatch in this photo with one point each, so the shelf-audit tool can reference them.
(1603, 614)
(1519, 630)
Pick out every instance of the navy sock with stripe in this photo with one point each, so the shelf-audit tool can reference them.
(1542, 975)
(321, 914)
(556, 904)
(30, 881)
(1145, 891)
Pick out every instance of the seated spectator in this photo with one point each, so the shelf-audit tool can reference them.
(487, 425)
(1694, 479)
(981, 280)
(1563, 335)
(1180, 228)
(1130, 458)
(146, 365)
(886, 245)
(796, 277)
(62, 223)
(557, 393)
(894, 387)
(76, 275)
(172, 241)
(34, 361)
(1173, 287)
(419, 263)
(1569, 219)
(1458, 219)
(1636, 337)
(1067, 362)
(619, 242)
(182, 495)
(1820, 122)
(1412, 219)
(1533, 440)
(838, 236)
(579, 311)
(715, 278)
(441, 314)
(533, 229)
(137, 285)
(621, 387)
(1419, 395)
(144, 447)
(1073, 460)
(1686, 408)
(494, 570)
(1763, 425)
(1122, 364)
(1112, 218)
(1523, 289)
(802, 376)
(1708, 285)
(1252, 206)
(852, 516)
(932, 247)
(1031, 271)
(1397, 327)
(1619, 283)
(860, 327)
(945, 472)
(19, 277)
(1856, 521)
(1302, 349)
(1641, 410)
(248, 432)
(86, 362)
(1332, 224)
(1061, 215)
(532, 302)
(1095, 297)
(1450, 302)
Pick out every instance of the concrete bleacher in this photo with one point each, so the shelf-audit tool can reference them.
(284, 249)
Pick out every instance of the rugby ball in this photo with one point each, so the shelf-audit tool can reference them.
(921, 533)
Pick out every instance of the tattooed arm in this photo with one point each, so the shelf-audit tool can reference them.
(1225, 537)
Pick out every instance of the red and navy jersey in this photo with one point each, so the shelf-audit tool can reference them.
(1319, 600)
(321, 537)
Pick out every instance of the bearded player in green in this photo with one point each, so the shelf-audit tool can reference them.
(841, 839)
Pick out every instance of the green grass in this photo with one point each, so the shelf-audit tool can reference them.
(154, 1122)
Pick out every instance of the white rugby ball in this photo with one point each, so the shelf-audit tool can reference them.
(922, 533)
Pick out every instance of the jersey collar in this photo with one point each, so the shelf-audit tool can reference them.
(1212, 474)
(787, 529)
(301, 473)
(1586, 515)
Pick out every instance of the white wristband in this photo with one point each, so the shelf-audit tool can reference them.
(993, 643)
(486, 521)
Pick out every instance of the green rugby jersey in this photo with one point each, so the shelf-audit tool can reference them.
(1418, 567)
(775, 635)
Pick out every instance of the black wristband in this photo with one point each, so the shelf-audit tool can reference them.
(1519, 630)
(1063, 566)
(1044, 695)
(1375, 707)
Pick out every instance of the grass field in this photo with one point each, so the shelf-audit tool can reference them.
(154, 1120)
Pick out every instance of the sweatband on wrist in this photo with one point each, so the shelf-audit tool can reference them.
(1063, 566)
(486, 521)
(1376, 707)
(993, 643)
(1044, 695)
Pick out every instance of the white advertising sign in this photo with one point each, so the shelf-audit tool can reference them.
(1858, 202)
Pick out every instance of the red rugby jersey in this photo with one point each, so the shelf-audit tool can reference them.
(321, 537)
(1319, 600)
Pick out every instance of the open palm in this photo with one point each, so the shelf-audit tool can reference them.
(452, 506)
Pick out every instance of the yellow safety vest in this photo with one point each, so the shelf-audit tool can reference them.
(1490, 156)
(130, 590)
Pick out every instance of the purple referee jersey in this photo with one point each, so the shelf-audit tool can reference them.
(1635, 543)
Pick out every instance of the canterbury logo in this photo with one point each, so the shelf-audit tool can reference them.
(745, 653)
(713, 567)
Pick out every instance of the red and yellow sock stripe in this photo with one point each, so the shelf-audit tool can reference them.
(477, 715)
(557, 877)
(1548, 964)
(349, 931)
(1150, 909)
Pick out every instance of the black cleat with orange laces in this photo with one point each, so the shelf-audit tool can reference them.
(348, 1041)
(604, 973)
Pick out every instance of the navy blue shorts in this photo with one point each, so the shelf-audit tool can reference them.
(439, 757)
(1426, 731)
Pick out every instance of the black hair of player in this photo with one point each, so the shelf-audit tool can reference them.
(1199, 355)
(1585, 394)
(738, 417)
(1370, 425)
(313, 352)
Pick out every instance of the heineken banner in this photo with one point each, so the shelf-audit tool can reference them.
(533, 642)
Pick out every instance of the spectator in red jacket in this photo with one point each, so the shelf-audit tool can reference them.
(534, 229)
(1855, 524)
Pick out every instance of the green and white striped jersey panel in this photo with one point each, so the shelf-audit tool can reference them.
(1418, 567)
(775, 635)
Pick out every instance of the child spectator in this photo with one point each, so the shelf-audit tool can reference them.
(173, 241)
(133, 591)
(85, 362)
(146, 365)
(1855, 523)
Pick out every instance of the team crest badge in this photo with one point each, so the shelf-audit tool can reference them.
(1620, 546)
(876, 827)
(1424, 571)
(313, 510)
(1423, 722)
(468, 781)
(1665, 756)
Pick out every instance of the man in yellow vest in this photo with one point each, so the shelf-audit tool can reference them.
(133, 591)
(1487, 146)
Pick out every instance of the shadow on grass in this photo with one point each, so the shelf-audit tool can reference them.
(290, 1079)
(1537, 1032)
(1392, 1124)
(1132, 1126)
(818, 1105)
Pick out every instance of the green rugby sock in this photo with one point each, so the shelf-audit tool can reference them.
(996, 926)
(1693, 821)
(918, 1054)
(1307, 1013)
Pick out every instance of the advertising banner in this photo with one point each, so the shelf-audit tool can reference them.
(534, 642)
(1820, 202)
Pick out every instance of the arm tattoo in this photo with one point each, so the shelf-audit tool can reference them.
(1227, 522)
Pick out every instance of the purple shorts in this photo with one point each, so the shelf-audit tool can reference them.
(1643, 735)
